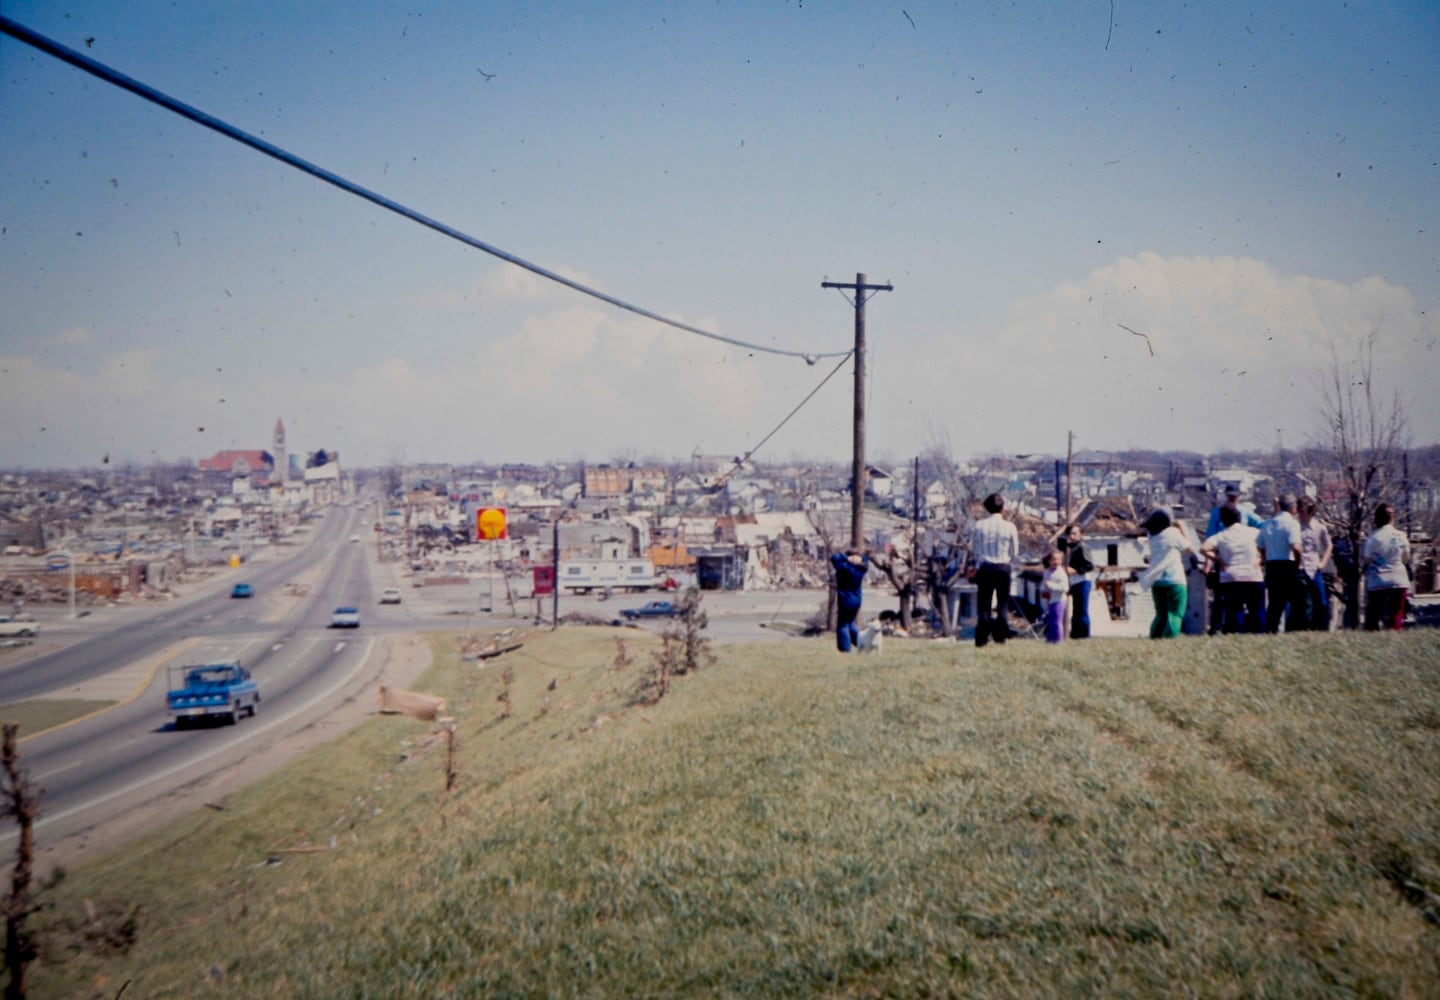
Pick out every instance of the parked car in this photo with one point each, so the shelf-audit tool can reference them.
(390, 595)
(653, 609)
(21, 628)
(345, 618)
(242, 590)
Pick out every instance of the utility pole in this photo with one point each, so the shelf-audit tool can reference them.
(857, 469)
(1405, 456)
(1069, 458)
(555, 573)
(915, 533)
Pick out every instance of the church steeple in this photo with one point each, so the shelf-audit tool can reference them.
(282, 461)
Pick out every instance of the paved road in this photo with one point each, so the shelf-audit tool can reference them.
(96, 768)
(91, 766)
(735, 616)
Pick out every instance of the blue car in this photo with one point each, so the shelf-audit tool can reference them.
(242, 590)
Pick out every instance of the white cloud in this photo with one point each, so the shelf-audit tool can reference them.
(1236, 350)
(503, 285)
(131, 375)
(1237, 346)
(75, 336)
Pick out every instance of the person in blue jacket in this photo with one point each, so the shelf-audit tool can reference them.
(850, 570)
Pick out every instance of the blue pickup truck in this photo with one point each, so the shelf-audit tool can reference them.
(211, 690)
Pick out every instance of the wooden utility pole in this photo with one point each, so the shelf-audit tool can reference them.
(857, 468)
(1069, 457)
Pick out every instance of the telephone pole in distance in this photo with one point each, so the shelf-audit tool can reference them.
(857, 475)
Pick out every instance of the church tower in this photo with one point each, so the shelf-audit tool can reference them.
(277, 449)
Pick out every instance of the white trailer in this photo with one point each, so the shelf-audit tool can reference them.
(581, 576)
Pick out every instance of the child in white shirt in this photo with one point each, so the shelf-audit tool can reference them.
(1054, 593)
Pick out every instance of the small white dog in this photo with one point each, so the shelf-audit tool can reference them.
(870, 640)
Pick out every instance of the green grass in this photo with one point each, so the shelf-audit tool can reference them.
(39, 715)
(1207, 817)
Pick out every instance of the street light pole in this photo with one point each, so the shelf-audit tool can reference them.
(70, 563)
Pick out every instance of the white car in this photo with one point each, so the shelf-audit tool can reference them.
(390, 595)
(18, 628)
(345, 618)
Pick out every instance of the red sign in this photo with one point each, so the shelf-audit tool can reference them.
(544, 580)
(490, 523)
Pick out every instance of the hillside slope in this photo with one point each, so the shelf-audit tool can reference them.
(1238, 815)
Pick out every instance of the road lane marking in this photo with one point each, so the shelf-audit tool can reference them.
(60, 770)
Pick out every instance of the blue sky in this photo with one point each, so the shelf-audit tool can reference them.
(1251, 185)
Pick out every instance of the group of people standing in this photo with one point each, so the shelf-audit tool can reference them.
(1261, 573)
(1165, 578)
(1064, 588)
(1265, 573)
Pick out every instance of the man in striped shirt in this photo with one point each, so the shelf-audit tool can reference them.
(994, 548)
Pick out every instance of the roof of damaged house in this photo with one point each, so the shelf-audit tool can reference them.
(1110, 516)
(248, 460)
(1035, 533)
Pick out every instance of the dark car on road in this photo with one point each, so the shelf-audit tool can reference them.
(242, 590)
(654, 609)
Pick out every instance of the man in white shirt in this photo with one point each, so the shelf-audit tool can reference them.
(1248, 517)
(994, 548)
(1280, 542)
(1234, 552)
(1387, 580)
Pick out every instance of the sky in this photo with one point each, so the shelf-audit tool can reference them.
(1154, 225)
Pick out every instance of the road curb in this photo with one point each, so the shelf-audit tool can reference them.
(78, 694)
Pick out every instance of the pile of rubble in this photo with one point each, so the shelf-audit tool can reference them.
(31, 591)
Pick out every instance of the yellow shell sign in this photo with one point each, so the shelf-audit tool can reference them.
(490, 522)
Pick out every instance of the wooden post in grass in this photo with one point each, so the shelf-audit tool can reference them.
(450, 773)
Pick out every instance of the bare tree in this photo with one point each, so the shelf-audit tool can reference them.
(897, 565)
(1367, 434)
(21, 802)
(827, 542)
(687, 630)
(946, 539)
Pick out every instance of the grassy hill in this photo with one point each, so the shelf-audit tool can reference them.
(1208, 817)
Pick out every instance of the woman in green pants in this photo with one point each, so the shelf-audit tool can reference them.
(1166, 575)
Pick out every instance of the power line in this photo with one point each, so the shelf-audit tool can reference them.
(738, 463)
(98, 69)
(792, 413)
